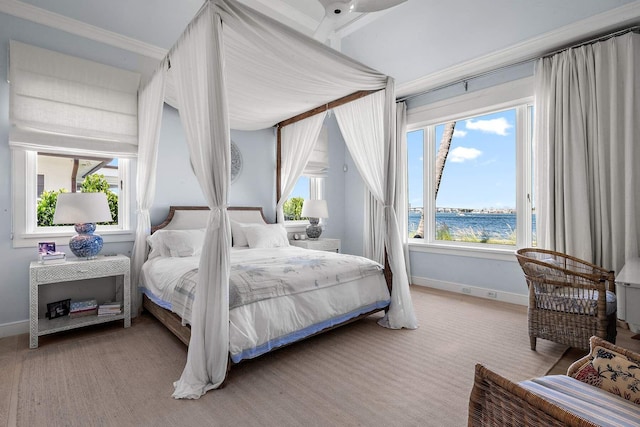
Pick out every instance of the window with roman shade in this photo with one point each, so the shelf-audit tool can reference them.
(318, 163)
(310, 184)
(68, 105)
(71, 120)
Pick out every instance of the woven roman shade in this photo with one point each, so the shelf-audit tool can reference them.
(64, 104)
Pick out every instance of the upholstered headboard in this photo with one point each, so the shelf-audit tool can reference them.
(195, 217)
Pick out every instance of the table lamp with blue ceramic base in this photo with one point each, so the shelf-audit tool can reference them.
(314, 210)
(83, 210)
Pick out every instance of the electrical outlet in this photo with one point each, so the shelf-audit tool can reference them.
(466, 290)
(492, 294)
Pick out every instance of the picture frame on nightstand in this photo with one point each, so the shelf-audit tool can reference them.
(58, 309)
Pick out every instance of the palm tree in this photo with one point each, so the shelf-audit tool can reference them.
(443, 152)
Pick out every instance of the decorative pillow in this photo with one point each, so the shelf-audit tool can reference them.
(237, 234)
(266, 236)
(609, 370)
(176, 243)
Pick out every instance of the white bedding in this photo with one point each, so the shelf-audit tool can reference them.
(258, 326)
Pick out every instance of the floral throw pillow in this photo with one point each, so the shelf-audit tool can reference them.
(611, 371)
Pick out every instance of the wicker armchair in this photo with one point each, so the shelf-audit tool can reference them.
(568, 298)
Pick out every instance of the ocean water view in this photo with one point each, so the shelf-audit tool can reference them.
(494, 227)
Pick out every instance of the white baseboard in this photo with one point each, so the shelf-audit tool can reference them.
(474, 291)
(14, 328)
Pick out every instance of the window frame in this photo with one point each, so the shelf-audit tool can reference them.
(316, 192)
(26, 233)
(516, 95)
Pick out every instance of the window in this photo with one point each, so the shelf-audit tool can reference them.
(470, 177)
(307, 188)
(73, 127)
(310, 185)
(73, 174)
(33, 212)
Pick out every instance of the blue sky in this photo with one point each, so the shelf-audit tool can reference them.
(301, 189)
(480, 171)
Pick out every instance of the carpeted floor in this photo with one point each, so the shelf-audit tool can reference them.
(360, 374)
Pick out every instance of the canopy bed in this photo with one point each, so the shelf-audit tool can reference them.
(278, 294)
(235, 68)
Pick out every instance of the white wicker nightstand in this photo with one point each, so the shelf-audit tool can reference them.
(330, 245)
(103, 266)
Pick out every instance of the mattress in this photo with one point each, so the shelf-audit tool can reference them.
(266, 323)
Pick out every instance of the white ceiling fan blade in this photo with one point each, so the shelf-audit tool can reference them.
(366, 6)
(324, 29)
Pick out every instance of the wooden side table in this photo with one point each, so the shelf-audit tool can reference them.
(330, 245)
(103, 266)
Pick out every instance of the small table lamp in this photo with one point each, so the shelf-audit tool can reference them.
(83, 210)
(314, 210)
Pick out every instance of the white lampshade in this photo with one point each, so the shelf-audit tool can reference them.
(82, 208)
(315, 209)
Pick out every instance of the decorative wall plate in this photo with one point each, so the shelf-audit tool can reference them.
(236, 162)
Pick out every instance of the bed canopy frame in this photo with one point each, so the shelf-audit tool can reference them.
(236, 68)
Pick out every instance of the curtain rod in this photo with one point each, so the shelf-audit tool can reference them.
(602, 37)
(464, 80)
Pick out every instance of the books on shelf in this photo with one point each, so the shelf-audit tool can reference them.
(83, 313)
(110, 308)
(81, 308)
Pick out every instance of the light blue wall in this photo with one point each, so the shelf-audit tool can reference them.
(177, 185)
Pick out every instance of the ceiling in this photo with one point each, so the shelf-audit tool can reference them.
(160, 22)
(411, 41)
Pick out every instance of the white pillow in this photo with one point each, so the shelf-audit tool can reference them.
(266, 236)
(156, 246)
(176, 243)
(237, 234)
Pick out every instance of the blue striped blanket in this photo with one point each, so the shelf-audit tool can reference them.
(591, 403)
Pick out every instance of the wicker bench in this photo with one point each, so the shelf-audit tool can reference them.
(559, 400)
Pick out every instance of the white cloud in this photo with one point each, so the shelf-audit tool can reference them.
(461, 154)
(498, 126)
(459, 133)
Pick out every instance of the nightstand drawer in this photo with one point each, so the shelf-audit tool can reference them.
(76, 271)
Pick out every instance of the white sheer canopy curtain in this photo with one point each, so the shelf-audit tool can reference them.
(401, 202)
(297, 142)
(368, 127)
(150, 103)
(197, 61)
(587, 108)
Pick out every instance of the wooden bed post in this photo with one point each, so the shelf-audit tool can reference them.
(278, 162)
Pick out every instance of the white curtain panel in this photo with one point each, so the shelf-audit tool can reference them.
(401, 202)
(368, 127)
(297, 143)
(150, 104)
(374, 229)
(587, 108)
(198, 60)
